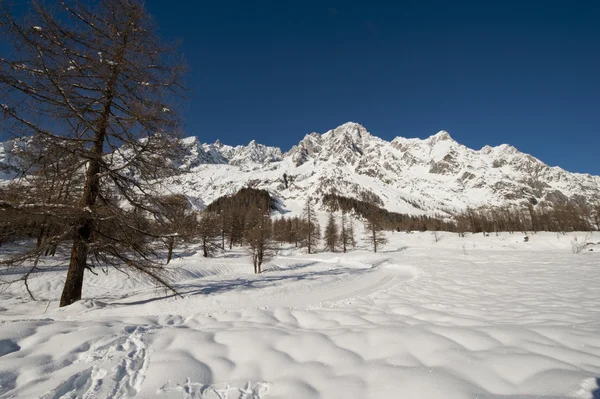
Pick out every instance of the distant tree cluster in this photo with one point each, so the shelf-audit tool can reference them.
(369, 209)
(230, 213)
(568, 217)
(296, 231)
(243, 199)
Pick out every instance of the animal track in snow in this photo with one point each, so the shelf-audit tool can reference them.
(118, 371)
(194, 390)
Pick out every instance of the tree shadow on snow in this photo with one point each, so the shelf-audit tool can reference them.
(22, 270)
(275, 268)
(238, 284)
(232, 256)
(400, 249)
(596, 392)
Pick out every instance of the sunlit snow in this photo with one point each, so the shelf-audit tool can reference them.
(476, 317)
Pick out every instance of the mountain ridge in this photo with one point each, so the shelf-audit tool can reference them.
(410, 175)
(435, 175)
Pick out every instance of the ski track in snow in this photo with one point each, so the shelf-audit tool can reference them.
(487, 318)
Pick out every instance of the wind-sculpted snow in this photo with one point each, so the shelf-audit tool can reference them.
(475, 317)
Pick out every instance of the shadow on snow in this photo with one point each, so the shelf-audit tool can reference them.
(245, 283)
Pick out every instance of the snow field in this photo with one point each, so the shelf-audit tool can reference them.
(475, 317)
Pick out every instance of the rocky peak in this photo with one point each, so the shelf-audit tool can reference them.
(345, 144)
(438, 173)
(442, 135)
(486, 149)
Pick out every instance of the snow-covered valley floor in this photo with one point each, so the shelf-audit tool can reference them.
(474, 317)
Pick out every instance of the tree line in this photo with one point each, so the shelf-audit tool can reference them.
(371, 208)
(567, 217)
(244, 220)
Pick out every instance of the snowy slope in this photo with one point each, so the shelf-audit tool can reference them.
(462, 318)
(436, 175)
(9, 160)
(430, 176)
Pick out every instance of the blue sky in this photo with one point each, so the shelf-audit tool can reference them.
(523, 72)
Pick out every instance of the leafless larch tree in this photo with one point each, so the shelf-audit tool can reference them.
(89, 93)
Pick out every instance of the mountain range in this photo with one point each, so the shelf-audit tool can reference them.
(436, 175)
(432, 176)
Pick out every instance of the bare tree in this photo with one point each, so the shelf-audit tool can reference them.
(222, 222)
(310, 231)
(176, 221)
(331, 233)
(462, 225)
(345, 237)
(374, 231)
(258, 237)
(208, 231)
(351, 235)
(96, 83)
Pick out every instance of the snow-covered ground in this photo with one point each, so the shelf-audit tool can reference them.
(474, 317)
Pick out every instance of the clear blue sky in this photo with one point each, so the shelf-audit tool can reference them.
(522, 72)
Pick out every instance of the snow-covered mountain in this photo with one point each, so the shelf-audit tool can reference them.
(10, 161)
(432, 176)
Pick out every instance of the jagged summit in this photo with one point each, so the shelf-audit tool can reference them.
(351, 129)
(436, 175)
(442, 135)
(419, 176)
(351, 125)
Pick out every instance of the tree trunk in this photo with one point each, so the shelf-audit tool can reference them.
(204, 248)
(74, 283)
(260, 261)
(170, 253)
(41, 236)
(374, 238)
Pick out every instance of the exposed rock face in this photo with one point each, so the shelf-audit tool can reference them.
(429, 176)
